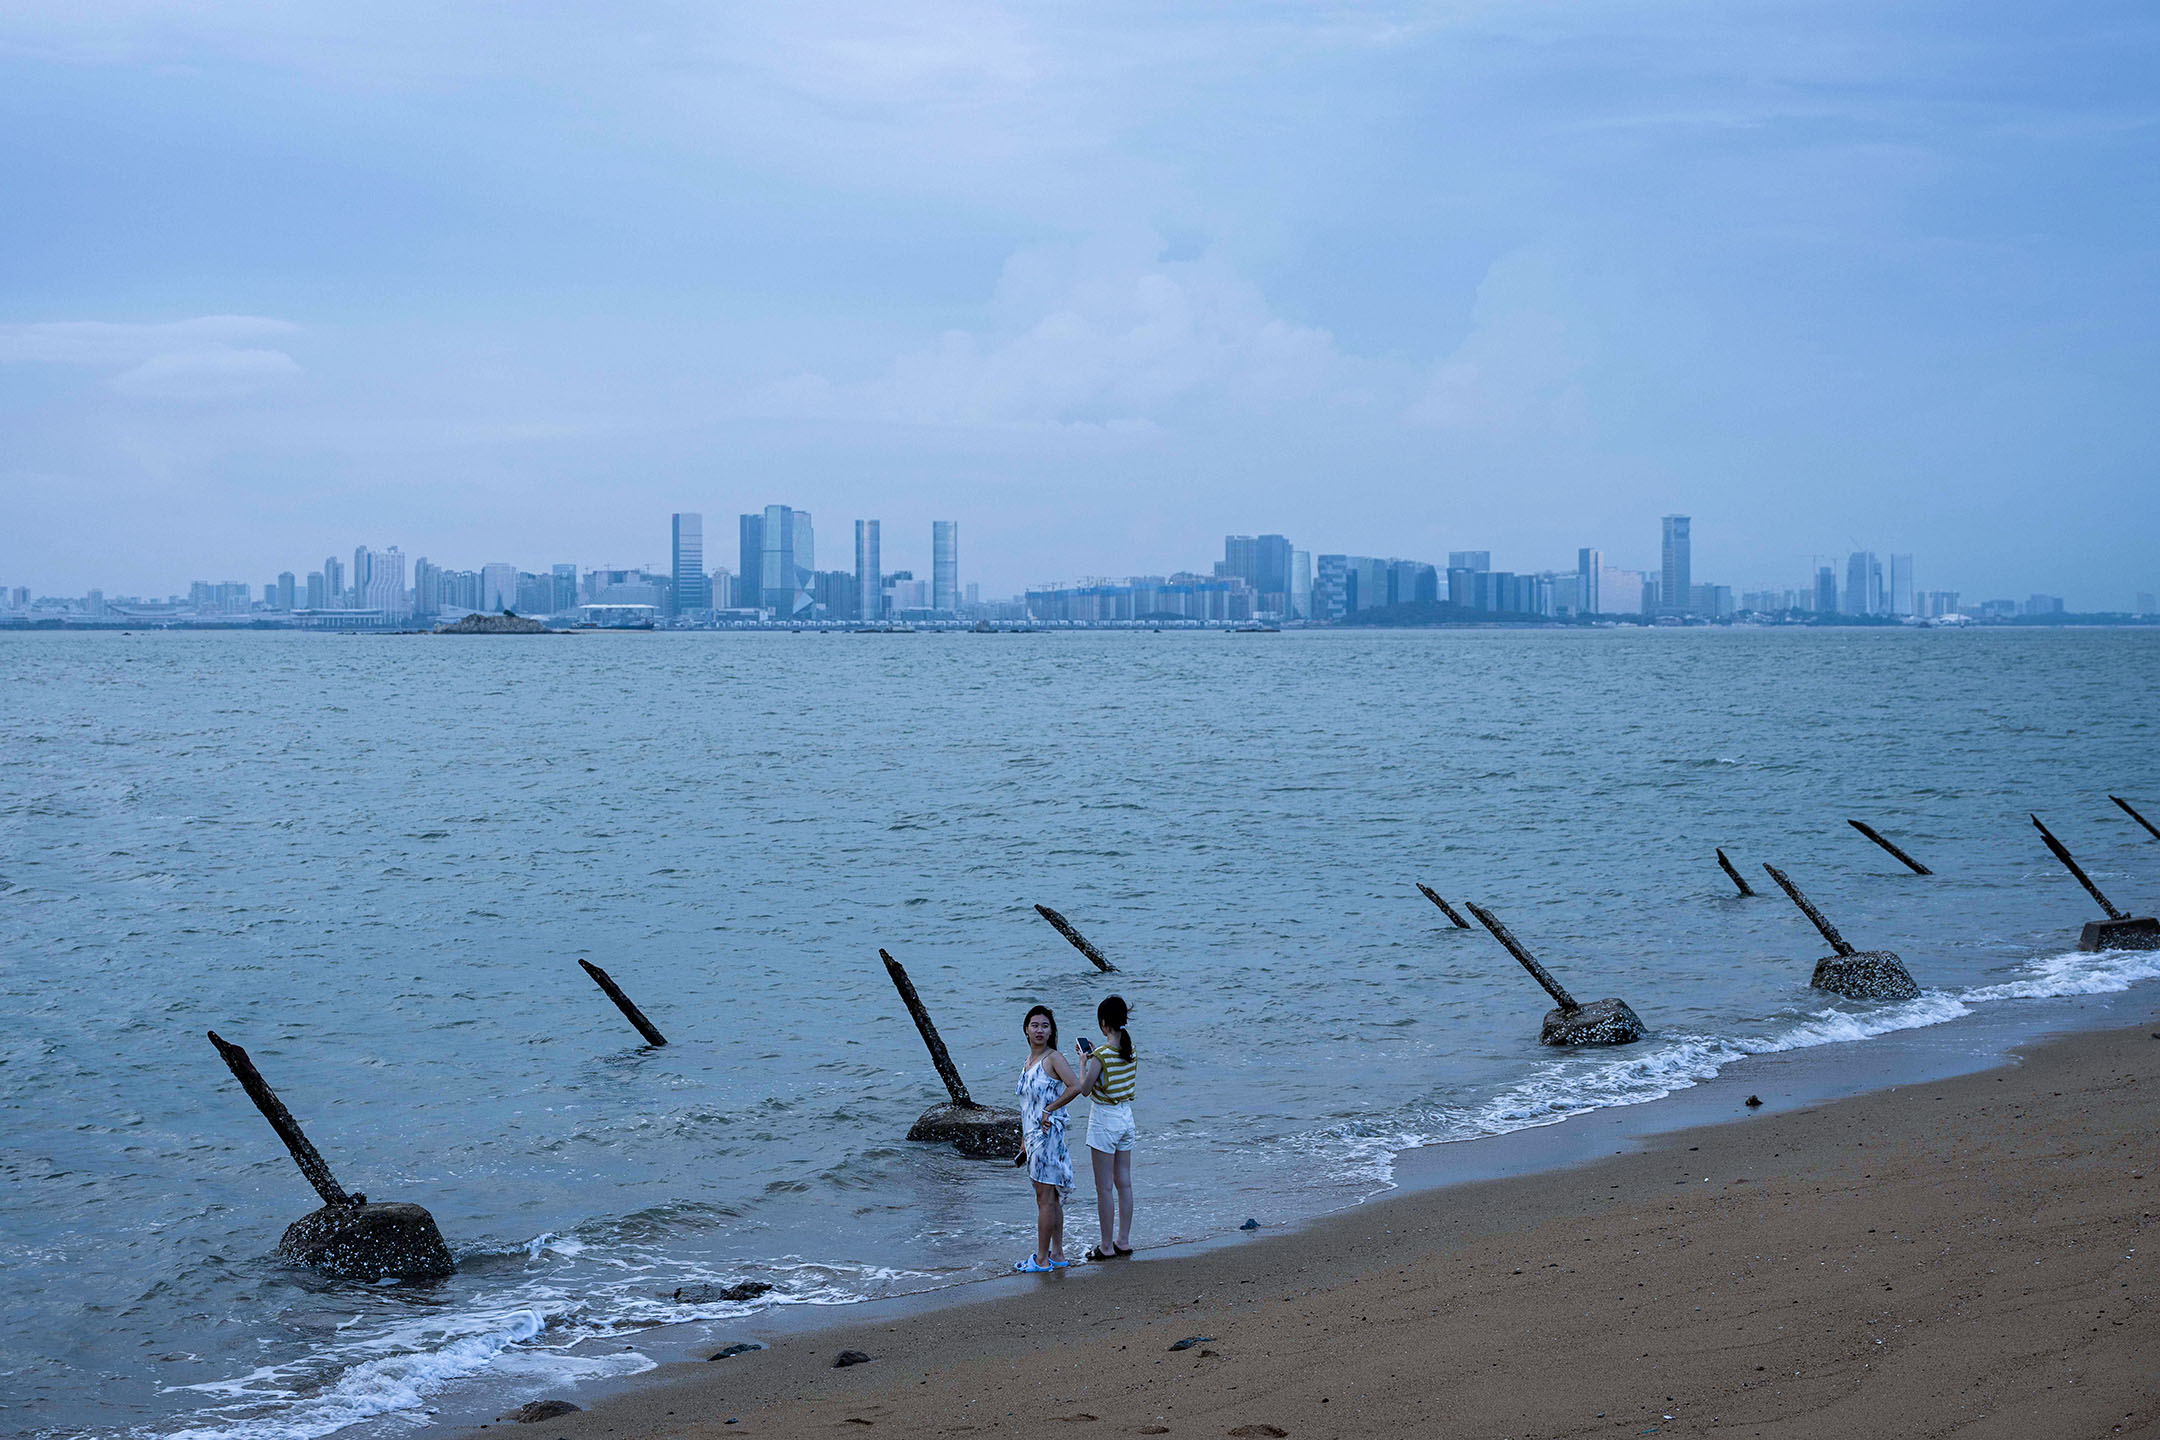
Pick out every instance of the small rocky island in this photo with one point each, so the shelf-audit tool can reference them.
(507, 623)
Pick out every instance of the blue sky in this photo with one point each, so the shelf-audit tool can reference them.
(1102, 282)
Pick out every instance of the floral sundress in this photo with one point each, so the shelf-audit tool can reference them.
(1048, 1161)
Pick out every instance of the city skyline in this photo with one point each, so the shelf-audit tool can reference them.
(1101, 284)
(1264, 577)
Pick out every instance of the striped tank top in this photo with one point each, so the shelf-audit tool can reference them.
(1120, 1078)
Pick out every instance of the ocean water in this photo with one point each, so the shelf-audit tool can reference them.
(375, 861)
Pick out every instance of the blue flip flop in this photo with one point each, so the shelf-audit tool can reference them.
(1029, 1267)
(1061, 1264)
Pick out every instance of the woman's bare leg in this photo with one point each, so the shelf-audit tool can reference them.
(1049, 1219)
(1122, 1166)
(1106, 1197)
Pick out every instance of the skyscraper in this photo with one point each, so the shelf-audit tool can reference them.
(1861, 584)
(285, 587)
(1676, 581)
(945, 566)
(779, 558)
(498, 587)
(1263, 562)
(1826, 591)
(1901, 587)
(691, 592)
(1469, 560)
(426, 588)
(1589, 572)
(318, 591)
(385, 589)
(1298, 604)
(333, 571)
(869, 573)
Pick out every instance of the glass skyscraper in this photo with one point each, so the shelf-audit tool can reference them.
(869, 572)
(779, 560)
(1676, 586)
(692, 592)
(945, 566)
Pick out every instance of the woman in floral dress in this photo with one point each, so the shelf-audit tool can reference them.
(1047, 1086)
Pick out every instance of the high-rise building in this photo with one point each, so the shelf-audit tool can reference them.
(721, 586)
(779, 552)
(1856, 599)
(1469, 559)
(869, 572)
(362, 575)
(691, 594)
(1589, 570)
(1676, 578)
(945, 566)
(1900, 597)
(385, 587)
(1330, 584)
(318, 591)
(1622, 592)
(1826, 595)
(285, 591)
(566, 588)
(1365, 583)
(333, 570)
(1299, 601)
(1262, 562)
(426, 589)
(498, 587)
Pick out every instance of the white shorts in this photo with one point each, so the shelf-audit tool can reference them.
(1110, 1127)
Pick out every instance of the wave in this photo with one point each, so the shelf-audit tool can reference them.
(1583, 1081)
(527, 1333)
(529, 1330)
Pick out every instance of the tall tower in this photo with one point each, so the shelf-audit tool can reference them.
(945, 566)
(1860, 569)
(778, 556)
(1901, 586)
(1589, 575)
(692, 591)
(869, 573)
(333, 570)
(1676, 584)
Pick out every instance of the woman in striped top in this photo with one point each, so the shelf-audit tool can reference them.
(1111, 1073)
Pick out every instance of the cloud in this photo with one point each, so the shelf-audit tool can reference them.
(1105, 341)
(205, 358)
(213, 373)
(1521, 366)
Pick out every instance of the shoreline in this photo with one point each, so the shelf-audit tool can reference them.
(1448, 1200)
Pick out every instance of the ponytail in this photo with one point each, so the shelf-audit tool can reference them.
(1111, 1015)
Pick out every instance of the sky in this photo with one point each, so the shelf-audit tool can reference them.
(1102, 282)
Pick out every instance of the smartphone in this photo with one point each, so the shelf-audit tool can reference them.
(1086, 1045)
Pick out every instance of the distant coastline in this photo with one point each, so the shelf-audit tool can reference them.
(1419, 616)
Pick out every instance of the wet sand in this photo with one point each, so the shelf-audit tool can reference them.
(1968, 1256)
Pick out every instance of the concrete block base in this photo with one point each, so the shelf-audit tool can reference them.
(2137, 932)
(369, 1242)
(1601, 1022)
(1865, 975)
(986, 1132)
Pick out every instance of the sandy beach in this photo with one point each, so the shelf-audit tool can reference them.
(1960, 1257)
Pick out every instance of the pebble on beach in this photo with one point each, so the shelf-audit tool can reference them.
(849, 1357)
(740, 1347)
(534, 1411)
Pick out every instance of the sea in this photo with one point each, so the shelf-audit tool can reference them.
(375, 861)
